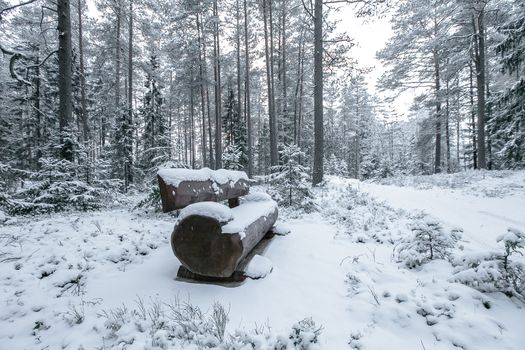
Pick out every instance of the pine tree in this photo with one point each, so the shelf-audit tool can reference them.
(507, 126)
(155, 141)
(235, 153)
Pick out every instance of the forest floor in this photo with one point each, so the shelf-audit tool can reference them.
(106, 279)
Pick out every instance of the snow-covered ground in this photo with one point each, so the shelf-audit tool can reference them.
(106, 279)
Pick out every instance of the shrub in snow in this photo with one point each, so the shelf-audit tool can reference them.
(334, 166)
(305, 334)
(429, 241)
(183, 325)
(57, 187)
(289, 180)
(496, 271)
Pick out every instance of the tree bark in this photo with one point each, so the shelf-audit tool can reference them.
(437, 159)
(83, 108)
(128, 167)
(318, 94)
(247, 111)
(65, 112)
(473, 119)
(217, 71)
(268, 47)
(480, 84)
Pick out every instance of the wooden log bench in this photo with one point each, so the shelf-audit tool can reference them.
(212, 240)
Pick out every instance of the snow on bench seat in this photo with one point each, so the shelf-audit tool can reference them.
(211, 239)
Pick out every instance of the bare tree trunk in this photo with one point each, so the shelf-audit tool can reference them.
(473, 120)
(447, 125)
(297, 97)
(202, 92)
(283, 67)
(238, 44)
(207, 93)
(218, 124)
(318, 94)
(192, 127)
(269, 82)
(83, 109)
(247, 111)
(65, 111)
(128, 167)
(437, 159)
(479, 47)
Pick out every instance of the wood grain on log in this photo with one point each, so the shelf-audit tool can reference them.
(188, 192)
(200, 245)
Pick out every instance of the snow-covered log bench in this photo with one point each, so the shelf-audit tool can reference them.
(182, 187)
(212, 240)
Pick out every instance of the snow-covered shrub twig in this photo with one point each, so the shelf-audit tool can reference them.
(496, 271)
(429, 241)
(181, 324)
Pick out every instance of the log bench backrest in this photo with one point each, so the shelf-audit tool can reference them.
(182, 187)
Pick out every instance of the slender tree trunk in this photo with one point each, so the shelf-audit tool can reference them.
(447, 125)
(218, 124)
(437, 159)
(202, 92)
(192, 128)
(473, 119)
(480, 84)
(129, 123)
(268, 46)
(83, 108)
(207, 93)
(238, 57)
(247, 111)
(318, 94)
(65, 108)
(297, 97)
(283, 67)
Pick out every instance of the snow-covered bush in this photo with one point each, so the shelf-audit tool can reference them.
(181, 324)
(289, 181)
(334, 166)
(496, 271)
(429, 241)
(58, 186)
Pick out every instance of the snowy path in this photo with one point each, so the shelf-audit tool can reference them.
(483, 219)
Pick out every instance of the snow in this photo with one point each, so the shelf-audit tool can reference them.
(259, 267)
(234, 220)
(246, 213)
(222, 176)
(281, 229)
(214, 210)
(78, 280)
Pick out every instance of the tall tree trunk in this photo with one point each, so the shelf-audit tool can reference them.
(479, 48)
(269, 83)
(192, 127)
(217, 71)
(447, 124)
(318, 94)
(247, 111)
(473, 119)
(128, 171)
(437, 159)
(207, 93)
(83, 108)
(297, 96)
(65, 111)
(283, 68)
(202, 92)
(238, 57)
